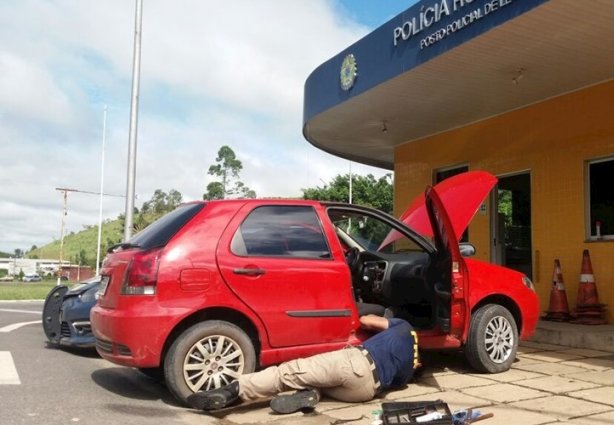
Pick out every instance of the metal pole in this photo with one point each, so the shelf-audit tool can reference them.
(134, 112)
(62, 238)
(350, 182)
(104, 133)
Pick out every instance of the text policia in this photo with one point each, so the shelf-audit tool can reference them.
(431, 15)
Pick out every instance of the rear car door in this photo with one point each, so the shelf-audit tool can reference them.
(279, 260)
(450, 277)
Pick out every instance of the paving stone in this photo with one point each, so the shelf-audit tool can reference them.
(437, 372)
(520, 361)
(561, 407)
(552, 368)
(600, 419)
(412, 390)
(510, 415)
(592, 363)
(444, 363)
(556, 384)
(551, 356)
(525, 350)
(504, 393)
(599, 377)
(543, 346)
(456, 400)
(512, 375)
(361, 413)
(603, 395)
(456, 381)
(585, 352)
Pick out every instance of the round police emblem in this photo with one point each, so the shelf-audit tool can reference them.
(348, 73)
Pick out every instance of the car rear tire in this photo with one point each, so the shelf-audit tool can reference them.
(207, 355)
(493, 339)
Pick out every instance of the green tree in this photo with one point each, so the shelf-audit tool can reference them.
(162, 202)
(366, 190)
(215, 190)
(81, 258)
(227, 170)
(159, 204)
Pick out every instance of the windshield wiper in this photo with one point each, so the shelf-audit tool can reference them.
(122, 245)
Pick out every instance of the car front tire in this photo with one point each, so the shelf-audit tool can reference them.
(493, 339)
(207, 355)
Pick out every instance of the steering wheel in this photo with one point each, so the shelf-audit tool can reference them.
(352, 258)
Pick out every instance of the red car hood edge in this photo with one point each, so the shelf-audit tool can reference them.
(461, 195)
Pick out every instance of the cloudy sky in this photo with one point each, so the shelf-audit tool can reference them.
(212, 74)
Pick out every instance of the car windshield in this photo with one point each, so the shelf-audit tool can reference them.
(370, 232)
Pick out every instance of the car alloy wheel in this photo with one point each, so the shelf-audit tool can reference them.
(212, 362)
(499, 341)
(207, 355)
(492, 341)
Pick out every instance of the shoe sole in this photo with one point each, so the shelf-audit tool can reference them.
(291, 403)
(207, 402)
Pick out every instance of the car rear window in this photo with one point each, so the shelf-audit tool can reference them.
(158, 233)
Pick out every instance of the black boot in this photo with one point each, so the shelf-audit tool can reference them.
(215, 399)
(304, 399)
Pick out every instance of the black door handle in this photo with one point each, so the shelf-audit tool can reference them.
(249, 272)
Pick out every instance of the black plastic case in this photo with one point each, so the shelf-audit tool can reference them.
(407, 412)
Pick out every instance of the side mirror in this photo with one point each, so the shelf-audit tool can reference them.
(466, 249)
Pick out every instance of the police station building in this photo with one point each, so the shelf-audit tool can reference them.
(523, 89)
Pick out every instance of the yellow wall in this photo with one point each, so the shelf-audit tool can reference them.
(553, 140)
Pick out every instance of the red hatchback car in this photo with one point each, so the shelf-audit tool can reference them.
(216, 289)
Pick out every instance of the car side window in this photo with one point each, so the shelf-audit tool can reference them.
(281, 231)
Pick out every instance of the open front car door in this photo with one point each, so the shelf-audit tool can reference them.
(449, 271)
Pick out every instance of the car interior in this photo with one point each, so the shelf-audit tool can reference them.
(401, 278)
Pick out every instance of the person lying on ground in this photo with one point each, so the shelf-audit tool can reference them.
(354, 374)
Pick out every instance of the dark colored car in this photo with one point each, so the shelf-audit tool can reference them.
(216, 289)
(66, 314)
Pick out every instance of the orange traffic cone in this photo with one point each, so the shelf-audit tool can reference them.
(559, 309)
(588, 309)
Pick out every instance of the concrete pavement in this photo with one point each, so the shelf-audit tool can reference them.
(547, 384)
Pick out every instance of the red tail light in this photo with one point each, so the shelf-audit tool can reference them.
(142, 273)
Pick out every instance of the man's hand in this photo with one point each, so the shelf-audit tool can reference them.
(375, 323)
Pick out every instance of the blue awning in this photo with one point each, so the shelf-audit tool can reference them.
(442, 64)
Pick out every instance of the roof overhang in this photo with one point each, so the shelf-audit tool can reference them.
(480, 65)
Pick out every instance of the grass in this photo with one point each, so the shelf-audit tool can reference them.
(86, 240)
(25, 290)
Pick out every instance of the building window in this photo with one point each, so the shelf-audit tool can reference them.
(601, 199)
(444, 173)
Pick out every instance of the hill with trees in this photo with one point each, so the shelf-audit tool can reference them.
(81, 247)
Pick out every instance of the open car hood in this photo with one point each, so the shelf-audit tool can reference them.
(461, 195)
